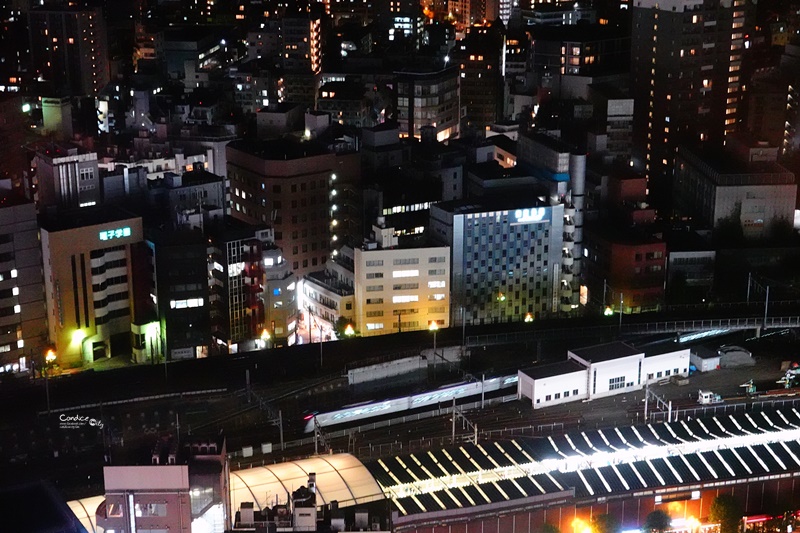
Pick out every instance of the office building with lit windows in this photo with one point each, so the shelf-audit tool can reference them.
(399, 289)
(301, 58)
(481, 58)
(506, 257)
(23, 324)
(251, 288)
(179, 297)
(289, 186)
(688, 72)
(435, 101)
(69, 48)
(88, 282)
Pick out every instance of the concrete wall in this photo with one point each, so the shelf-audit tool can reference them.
(665, 365)
(559, 389)
(399, 367)
(626, 367)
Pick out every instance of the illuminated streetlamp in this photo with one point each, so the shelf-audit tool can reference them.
(265, 337)
(349, 331)
(434, 327)
(49, 359)
(528, 318)
(501, 297)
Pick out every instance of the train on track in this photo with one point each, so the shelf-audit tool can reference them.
(447, 393)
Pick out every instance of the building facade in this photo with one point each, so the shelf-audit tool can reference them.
(69, 48)
(505, 257)
(67, 176)
(180, 490)
(181, 296)
(687, 81)
(756, 198)
(288, 185)
(23, 324)
(88, 282)
(400, 289)
(435, 101)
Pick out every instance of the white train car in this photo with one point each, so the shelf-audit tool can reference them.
(407, 403)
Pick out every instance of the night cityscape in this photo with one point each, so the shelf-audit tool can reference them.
(496, 266)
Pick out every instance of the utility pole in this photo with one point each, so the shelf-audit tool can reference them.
(621, 304)
(463, 328)
(247, 383)
(749, 280)
(47, 389)
(766, 307)
(399, 314)
(605, 288)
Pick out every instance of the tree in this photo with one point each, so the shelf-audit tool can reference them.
(341, 328)
(727, 511)
(657, 522)
(549, 528)
(605, 523)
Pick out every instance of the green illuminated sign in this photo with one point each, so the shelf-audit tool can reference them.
(117, 233)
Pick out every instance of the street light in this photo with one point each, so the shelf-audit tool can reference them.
(434, 327)
(49, 359)
(264, 338)
(349, 331)
(528, 317)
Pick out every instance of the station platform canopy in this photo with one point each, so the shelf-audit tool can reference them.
(340, 477)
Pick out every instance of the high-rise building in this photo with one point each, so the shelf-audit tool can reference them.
(301, 55)
(481, 58)
(13, 43)
(288, 185)
(69, 49)
(180, 296)
(435, 100)
(23, 324)
(88, 282)
(506, 257)
(244, 264)
(688, 75)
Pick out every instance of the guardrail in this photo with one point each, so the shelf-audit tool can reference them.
(138, 399)
(724, 409)
(666, 326)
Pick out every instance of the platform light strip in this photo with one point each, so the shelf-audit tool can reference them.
(656, 472)
(724, 462)
(775, 456)
(603, 479)
(621, 478)
(672, 469)
(690, 467)
(575, 463)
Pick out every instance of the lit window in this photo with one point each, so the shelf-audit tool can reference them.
(436, 284)
(405, 273)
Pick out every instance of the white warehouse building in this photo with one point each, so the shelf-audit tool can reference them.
(599, 371)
